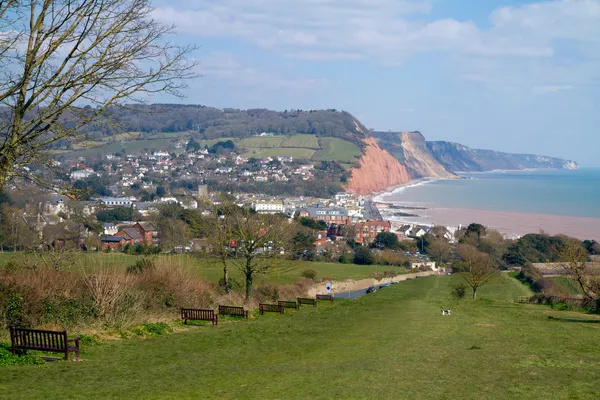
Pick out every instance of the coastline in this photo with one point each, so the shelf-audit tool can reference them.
(510, 223)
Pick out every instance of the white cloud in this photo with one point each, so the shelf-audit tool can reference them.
(530, 44)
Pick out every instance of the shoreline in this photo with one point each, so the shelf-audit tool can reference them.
(509, 223)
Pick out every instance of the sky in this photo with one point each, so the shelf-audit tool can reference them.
(516, 76)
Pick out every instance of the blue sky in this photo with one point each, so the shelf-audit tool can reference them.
(518, 76)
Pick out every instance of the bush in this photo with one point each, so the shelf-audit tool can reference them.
(389, 274)
(232, 284)
(267, 293)
(309, 274)
(346, 258)
(363, 256)
(459, 291)
(141, 266)
(7, 357)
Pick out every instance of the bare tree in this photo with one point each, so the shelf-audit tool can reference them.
(64, 63)
(477, 268)
(253, 243)
(440, 250)
(574, 257)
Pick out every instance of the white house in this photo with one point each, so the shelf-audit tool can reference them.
(82, 174)
(115, 202)
(268, 208)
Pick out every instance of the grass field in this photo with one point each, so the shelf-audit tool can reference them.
(295, 152)
(567, 284)
(393, 344)
(302, 140)
(212, 270)
(260, 142)
(135, 146)
(338, 150)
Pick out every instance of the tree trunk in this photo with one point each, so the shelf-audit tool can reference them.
(249, 276)
(474, 293)
(225, 279)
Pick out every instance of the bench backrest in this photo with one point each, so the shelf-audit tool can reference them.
(232, 310)
(35, 339)
(287, 304)
(271, 308)
(302, 300)
(197, 314)
(325, 297)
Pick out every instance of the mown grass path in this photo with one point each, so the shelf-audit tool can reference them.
(392, 344)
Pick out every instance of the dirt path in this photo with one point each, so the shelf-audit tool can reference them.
(352, 285)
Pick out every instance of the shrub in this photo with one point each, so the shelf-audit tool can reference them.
(141, 266)
(459, 291)
(309, 274)
(7, 357)
(363, 256)
(267, 293)
(389, 274)
(232, 284)
(346, 258)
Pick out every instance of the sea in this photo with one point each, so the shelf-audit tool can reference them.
(572, 193)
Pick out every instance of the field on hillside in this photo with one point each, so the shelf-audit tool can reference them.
(302, 140)
(295, 152)
(334, 149)
(212, 270)
(260, 142)
(388, 345)
(567, 284)
(134, 146)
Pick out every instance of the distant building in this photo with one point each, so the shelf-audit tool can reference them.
(110, 229)
(82, 174)
(331, 215)
(115, 202)
(366, 232)
(268, 208)
(114, 243)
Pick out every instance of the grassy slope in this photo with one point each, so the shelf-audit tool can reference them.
(335, 149)
(567, 284)
(392, 344)
(213, 271)
(302, 140)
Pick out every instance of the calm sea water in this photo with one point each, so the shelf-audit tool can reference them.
(556, 192)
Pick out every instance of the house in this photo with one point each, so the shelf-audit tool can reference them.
(131, 236)
(114, 243)
(55, 205)
(366, 232)
(115, 202)
(148, 231)
(82, 174)
(331, 215)
(425, 264)
(110, 229)
(268, 207)
(321, 239)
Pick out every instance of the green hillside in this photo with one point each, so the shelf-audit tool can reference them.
(392, 344)
(334, 149)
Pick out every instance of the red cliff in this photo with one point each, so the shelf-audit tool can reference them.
(377, 170)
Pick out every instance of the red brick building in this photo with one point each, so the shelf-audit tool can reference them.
(366, 232)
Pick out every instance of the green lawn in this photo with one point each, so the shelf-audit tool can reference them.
(567, 284)
(295, 152)
(212, 270)
(334, 149)
(302, 140)
(260, 142)
(393, 344)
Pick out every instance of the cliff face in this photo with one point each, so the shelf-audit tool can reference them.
(411, 149)
(456, 157)
(377, 170)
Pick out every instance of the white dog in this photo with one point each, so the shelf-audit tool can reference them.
(446, 312)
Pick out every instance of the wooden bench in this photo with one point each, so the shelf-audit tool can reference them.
(310, 302)
(263, 308)
(288, 304)
(234, 311)
(328, 297)
(196, 314)
(51, 341)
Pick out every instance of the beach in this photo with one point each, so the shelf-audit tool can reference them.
(514, 203)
